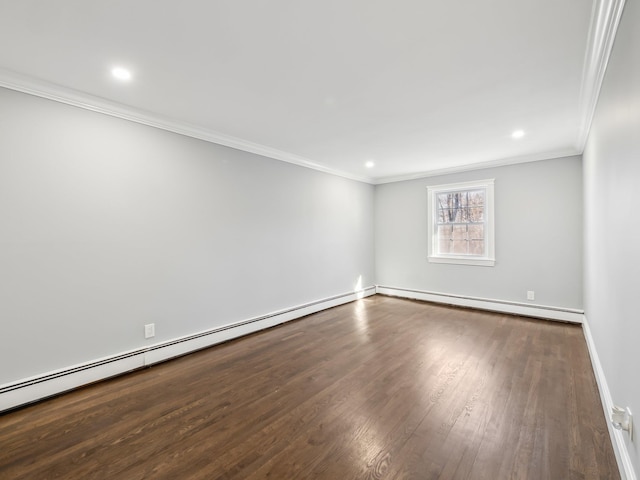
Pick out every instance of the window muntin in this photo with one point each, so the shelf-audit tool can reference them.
(461, 223)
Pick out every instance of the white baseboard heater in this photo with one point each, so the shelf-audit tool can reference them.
(52, 383)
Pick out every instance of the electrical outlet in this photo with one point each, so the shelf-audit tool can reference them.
(150, 330)
(622, 419)
(531, 295)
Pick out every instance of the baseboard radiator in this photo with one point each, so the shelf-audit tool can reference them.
(504, 306)
(39, 387)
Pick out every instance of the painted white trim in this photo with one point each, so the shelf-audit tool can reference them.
(478, 262)
(38, 387)
(617, 436)
(41, 88)
(58, 93)
(605, 18)
(505, 306)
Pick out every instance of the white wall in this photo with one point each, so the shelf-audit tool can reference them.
(612, 227)
(538, 212)
(107, 225)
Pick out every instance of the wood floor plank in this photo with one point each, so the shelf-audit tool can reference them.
(382, 388)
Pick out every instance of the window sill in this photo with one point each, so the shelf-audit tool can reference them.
(482, 262)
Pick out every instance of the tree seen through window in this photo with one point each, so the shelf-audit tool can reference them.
(461, 222)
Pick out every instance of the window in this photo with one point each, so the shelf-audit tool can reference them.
(461, 223)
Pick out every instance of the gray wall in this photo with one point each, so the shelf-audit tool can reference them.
(107, 225)
(612, 227)
(538, 212)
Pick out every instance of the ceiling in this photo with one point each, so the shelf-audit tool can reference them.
(418, 87)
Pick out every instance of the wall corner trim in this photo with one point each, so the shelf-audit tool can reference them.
(515, 308)
(617, 439)
(39, 387)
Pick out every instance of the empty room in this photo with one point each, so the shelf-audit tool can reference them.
(319, 240)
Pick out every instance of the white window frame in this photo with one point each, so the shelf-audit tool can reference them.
(488, 258)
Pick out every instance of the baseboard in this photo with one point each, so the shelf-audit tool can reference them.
(515, 308)
(52, 383)
(617, 436)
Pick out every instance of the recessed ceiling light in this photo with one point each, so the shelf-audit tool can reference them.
(517, 134)
(369, 164)
(121, 73)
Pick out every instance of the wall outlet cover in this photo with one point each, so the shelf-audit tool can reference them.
(150, 330)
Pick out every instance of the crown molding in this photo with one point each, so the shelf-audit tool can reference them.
(58, 93)
(561, 153)
(605, 18)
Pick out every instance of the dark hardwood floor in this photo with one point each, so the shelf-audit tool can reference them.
(382, 388)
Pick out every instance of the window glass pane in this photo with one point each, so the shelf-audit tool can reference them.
(448, 212)
(476, 197)
(476, 247)
(460, 240)
(476, 232)
(476, 239)
(442, 203)
(476, 214)
(464, 215)
(444, 238)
